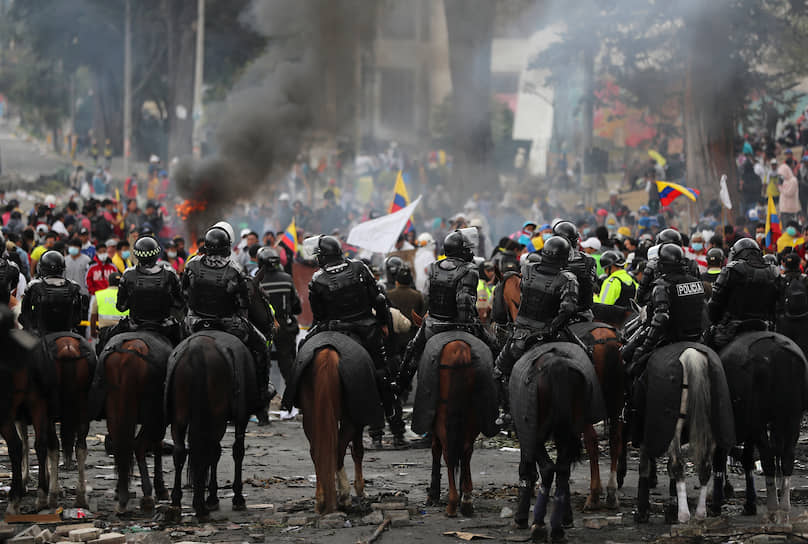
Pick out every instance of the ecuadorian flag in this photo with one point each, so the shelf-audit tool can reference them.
(668, 192)
(400, 199)
(289, 238)
(772, 224)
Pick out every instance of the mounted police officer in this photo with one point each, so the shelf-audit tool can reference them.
(667, 236)
(279, 288)
(149, 291)
(744, 295)
(583, 266)
(452, 287)
(549, 301)
(51, 303)
(218, 298)
(674, 314)
(345, 297)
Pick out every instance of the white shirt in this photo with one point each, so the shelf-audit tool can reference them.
(424, 256)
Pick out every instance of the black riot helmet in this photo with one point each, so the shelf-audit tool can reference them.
(328, 250)
(147, 250)
(556, 251)
(715, 257)
(268, 257)
(611, 258)
(217, 242)
(568, 231)
(745, 249)
(52, 264)
(404, 275)
(791, 261)
(458, 246)
(392, 265)
(771, 259)
(670, 258)
(669, 236)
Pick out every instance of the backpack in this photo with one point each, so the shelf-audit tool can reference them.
(796, 297)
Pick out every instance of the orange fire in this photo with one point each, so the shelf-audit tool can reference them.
(187, 207)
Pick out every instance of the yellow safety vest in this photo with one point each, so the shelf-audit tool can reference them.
(106, 300)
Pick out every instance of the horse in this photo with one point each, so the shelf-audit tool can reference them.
(554, 395)
(209, 382)
(333, 381)
(455, 401)
(766, 373)
(133, 366)
(604, 342)
(687, 401)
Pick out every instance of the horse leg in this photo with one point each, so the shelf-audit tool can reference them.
(67, 433)
(22, 431)
(178, 431)
(595, 489)
(538, 531)
(562, 498)
(719, 480)
(81, 462)
(705, 470)
(147, 501)
(615, 453)
(238, 459)
(199, 475)
(433, 494)
(466, 485)
(343, 486)
(643, 513)
(160, 490)
(39, 418)
(15, 454)
(767, 460)
(454, 496)
(676, 472)
(787, 464)
(212, 502)
(53, 467)
(357, 454)
(748, 462)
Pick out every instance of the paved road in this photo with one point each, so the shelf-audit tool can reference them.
(21, 157)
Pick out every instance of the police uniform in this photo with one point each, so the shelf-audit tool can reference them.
(619, 289)
(9, 277)
(105, 306)
(51, 304)
(584, 268)
(149, 293)
(279, 288)
(651, 273)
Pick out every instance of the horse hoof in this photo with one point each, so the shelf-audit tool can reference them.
(538, 533)
(729, 491)
(701, 516)
(642, 516)
(162, 494)
(520, 523)
(203, 517)
(467, 509)
(557, 535)
(212, 504)
(671, 514)
(173, 514)
(451, 511)
(592, 502)
(147, 504)
(612, 502)
(344, 504)
(683, 517)
(239, 505)
(750, 509)
(714, 511)
(432, 501)
(13, 508)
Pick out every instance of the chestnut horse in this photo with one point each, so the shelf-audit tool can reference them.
(604, 342)
(134, 375)
(329, 431)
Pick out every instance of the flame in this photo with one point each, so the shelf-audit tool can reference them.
(187, 207)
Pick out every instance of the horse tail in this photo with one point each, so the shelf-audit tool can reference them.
(696, 376)
(200, 423)
(458, 402)
(326, 408)
(121, 376)
(560, 375)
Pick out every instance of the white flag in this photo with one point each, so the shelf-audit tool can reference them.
(724, 193)
(380, 234)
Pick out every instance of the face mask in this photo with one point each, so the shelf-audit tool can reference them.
(171, 254)
(126, 253)
(791, 231)
(73, 250)
(546, 236)
(697, 246)
(760, 236)
(102, 257)
(586, 232)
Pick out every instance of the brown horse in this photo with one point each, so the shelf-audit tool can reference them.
(329, 431)
(604, 342)
(134, 376)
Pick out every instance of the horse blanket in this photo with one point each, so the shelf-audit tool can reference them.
(427, 394)
(356, 372)
(43, 366)
(233, 350)
(663, 393)
(159, 351)
(524, 392)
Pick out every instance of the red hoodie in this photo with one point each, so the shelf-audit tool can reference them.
(98, 276)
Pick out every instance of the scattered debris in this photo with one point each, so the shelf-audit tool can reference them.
(462, 535)
(505, 512)
(55, 517)
(377, 533)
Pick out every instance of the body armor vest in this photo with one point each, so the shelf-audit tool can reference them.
(209, 296)
(753, 291)
(686, 299)
(347, 294)
(443, 279)
(541, 293)
(583, 266)
(627, 293)
(54, 306)
(279, 292)
(9, 276)
(149, 295)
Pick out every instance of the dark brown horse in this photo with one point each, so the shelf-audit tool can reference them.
(134, 374)
(604, 341)
(200, 400)
(329, 431)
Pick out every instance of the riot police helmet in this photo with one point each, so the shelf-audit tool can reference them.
(745, 249)
(147, 250)
(670, 257)
(457, 246)
(392, 265)
(771, 259)
(268, 257)
(791, 261)
(328, 250)
(612, 258)
(567, 230)
(404, 275)
(669, 236)
(556, 250)
(217, 242)
(52, 264)
(715, 257)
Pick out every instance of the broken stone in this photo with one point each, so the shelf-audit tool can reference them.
(505, 513)
(299, 520)
(328, 522)
(398, 505)
(44, 536)
(398, 518)
(206, 532)
(374, 518)
(595, 522)
(64, 530)
(23, 539)
(33, 531)
(614, 520)
(110, 538)
(84, 535)
(687, 530)
(6, 531)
